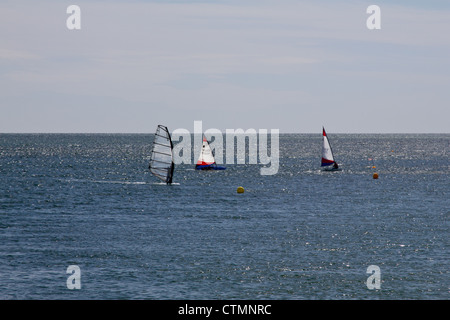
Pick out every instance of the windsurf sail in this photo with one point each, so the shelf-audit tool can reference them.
(327, 152)
(206, 159)
(161, 161)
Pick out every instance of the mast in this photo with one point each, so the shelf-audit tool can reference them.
(172, 166)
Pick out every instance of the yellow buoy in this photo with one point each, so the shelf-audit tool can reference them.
(375, 175)
(240, 190)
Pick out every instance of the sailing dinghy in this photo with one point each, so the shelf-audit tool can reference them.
(206, 159)
(161, 161)
(328, 161)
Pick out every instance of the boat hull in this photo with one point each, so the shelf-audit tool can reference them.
(331, 169)
(209, 167)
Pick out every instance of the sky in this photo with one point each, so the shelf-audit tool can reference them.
(289, 65)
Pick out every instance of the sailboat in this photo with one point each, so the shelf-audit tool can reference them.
(206, 159)
(327, 154)
(161, 161)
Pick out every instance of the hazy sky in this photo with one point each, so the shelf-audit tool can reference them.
(287, 65)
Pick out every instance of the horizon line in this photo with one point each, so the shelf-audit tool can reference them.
(225, 132)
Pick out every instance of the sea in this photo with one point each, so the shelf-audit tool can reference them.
(82, 218)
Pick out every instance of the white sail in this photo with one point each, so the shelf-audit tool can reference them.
(161, 161)
(206, 157)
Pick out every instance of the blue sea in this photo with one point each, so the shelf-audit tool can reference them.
(88, 200)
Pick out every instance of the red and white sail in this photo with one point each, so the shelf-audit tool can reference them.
(206, 157)
(327, 153)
